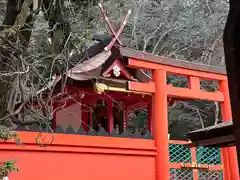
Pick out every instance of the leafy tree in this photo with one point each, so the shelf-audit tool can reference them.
(36, 40)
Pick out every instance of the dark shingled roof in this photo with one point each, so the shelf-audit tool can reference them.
(217, 135)
(217, 126)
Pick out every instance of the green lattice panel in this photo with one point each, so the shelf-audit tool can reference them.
(178, 153)
(210, 175)
(208, 155)
(181, 174)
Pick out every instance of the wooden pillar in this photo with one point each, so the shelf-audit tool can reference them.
(125, 118)
(149, 109)
(85, 116)
(110, 114)
(224, 159)
(160, 125)
(90, 116)
(229, 154)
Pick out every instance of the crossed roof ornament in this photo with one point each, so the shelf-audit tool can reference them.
(114, 34)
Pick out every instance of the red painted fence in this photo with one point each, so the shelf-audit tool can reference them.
(97, 158)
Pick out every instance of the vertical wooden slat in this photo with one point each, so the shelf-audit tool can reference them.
(194, 83)
(149, 109)
(194, 161)
(125, 118)
(85, 116)
(110, 114)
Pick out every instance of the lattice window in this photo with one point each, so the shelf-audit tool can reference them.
(210, 175)
(178, 153)
(181, 174)
(208, 155)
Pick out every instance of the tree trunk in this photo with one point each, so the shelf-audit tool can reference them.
(15, 35)
(14, 38)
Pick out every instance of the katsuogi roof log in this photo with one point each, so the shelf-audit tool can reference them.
(219, 135)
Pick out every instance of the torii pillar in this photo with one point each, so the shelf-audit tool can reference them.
(160, 125)
(158, 89)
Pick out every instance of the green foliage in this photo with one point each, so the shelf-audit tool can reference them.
(138, 121)
(177, 81)
(7, 133)
(7, 167)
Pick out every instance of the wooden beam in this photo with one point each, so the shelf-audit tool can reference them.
(186, 93)
(141, 87)
(213, 141)
(201, 166)
(141, 64)
(147, 57)
(100, 88)
(176, 92)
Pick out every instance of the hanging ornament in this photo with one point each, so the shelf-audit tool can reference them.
(116, 71)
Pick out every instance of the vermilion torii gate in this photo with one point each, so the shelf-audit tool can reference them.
(162, 91)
